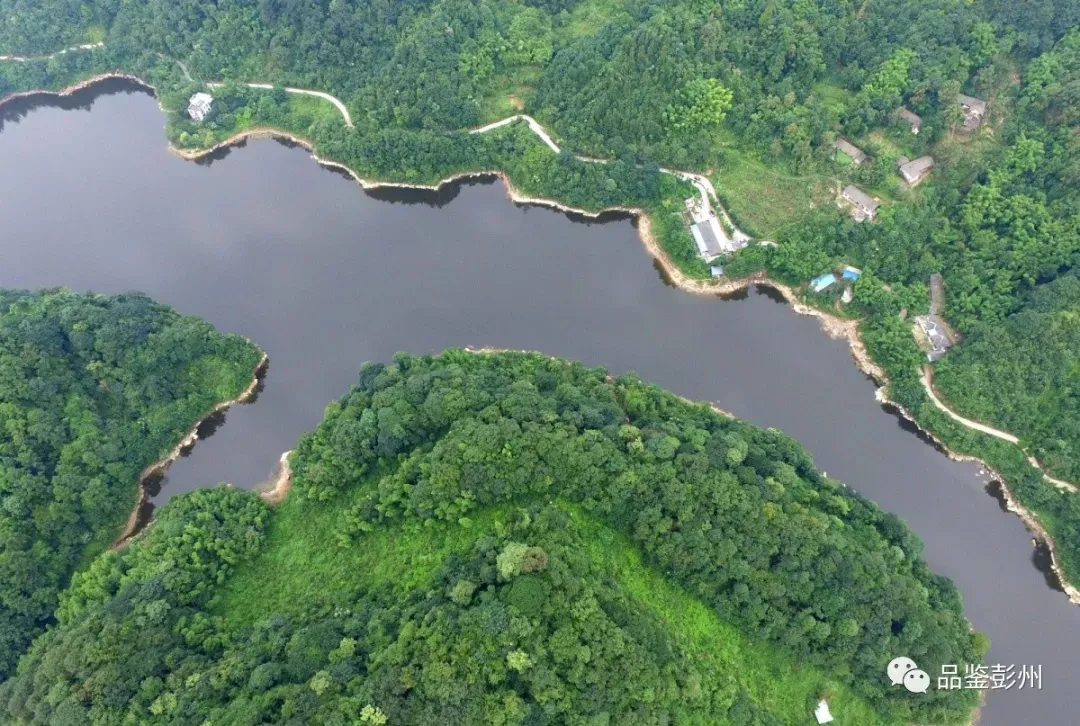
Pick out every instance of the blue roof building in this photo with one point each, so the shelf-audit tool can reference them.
(823, 282)
(852, 273)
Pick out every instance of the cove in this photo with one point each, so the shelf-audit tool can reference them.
(323, 276)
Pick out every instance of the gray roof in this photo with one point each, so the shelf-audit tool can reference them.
(860, 198)
(911, 116)
(937, 294)
(851, 150)
(705, 239)
(936, 332)
(974, 105)
(916, 168)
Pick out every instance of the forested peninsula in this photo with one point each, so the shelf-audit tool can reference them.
(93, 389)
(507, 538)
(753, 93)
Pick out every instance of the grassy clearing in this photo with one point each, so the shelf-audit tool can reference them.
(767, 673)
(588, 17)
(303, 561)
(309, 109)
(509, 94)
(764, 200)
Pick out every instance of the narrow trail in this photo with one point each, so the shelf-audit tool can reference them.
(928, 385)
(27, 58)
(709, 197)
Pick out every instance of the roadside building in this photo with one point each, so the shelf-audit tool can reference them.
(974, 111)
(199, 106)
(915, 171)
(853, 152)
(935, 334)
(913, 119)
(862, 204)
(932, 329)
(705, 239)
(707, 230)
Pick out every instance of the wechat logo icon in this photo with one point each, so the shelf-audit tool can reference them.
(904, 671)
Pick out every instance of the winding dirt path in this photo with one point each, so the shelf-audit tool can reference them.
(928, 385)
(27, 58)
(302, 91)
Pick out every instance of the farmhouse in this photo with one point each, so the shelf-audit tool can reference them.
(912, 118)
(974, 111)
(862, 204)
(915, 171)
(199, 105)
(854, 153)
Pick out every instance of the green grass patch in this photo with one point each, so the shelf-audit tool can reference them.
(509, 93)
(302, 560)
(764, 200)
(764, 671)
(589, 17)
(306, 110)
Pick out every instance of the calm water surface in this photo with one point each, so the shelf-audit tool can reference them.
(265, 243)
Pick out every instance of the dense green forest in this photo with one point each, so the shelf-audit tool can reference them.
(93, 389)
(508, 539)
(1026, 374)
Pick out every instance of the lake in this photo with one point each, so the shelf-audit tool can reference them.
(323, 276)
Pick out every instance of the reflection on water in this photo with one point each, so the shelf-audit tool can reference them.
(17, 109)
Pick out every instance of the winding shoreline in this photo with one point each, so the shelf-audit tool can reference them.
(833, 326)
(159, 467)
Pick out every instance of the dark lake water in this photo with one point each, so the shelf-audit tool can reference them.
(323, 276)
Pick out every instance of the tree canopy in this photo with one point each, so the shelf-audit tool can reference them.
(507, 538)
(93, 389)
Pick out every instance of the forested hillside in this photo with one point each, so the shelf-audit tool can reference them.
(1026, 374)
(509, 539)
(92, 390)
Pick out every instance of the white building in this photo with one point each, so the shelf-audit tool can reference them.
(821, 713)
(199, 105)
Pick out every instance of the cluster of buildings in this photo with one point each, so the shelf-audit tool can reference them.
(912, 171)
(845, 279)
(709, 235)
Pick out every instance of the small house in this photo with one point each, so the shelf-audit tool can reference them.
(717, 270)
(915, 171)
(823, 282)
(851, 273)
(821, 713)
(199, 106)
(853, 152)
(974, 111)
(912, 118)
(937, 335)
(862, 204)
